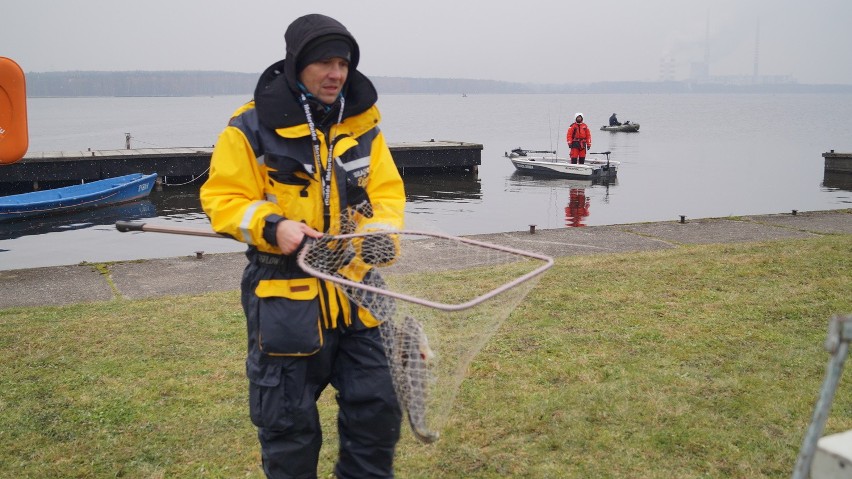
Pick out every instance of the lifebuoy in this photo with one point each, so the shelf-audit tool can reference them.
(14, 137)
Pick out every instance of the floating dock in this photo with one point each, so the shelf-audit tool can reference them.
(186, 164)
(436, 155)
(838, 162)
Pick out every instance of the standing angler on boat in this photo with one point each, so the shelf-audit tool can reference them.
(579, 139)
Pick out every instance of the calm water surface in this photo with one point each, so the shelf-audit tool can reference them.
(695, 155)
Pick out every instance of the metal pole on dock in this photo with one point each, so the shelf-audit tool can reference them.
(127, 141)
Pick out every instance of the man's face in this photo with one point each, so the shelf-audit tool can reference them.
(324, 79)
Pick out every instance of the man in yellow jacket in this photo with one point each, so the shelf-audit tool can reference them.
(287, 166)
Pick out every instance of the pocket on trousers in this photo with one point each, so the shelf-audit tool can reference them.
(265, 394)
(289, 317)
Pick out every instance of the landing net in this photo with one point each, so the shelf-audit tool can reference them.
(438, 299)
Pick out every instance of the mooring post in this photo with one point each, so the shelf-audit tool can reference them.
(127, 141)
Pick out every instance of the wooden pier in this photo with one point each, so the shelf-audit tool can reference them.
(185, 164)
(436, 155)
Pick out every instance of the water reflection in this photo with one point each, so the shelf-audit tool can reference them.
(106, 215)
(182, 201)
(833, 179)
(180, 204)
(577, 209)
(455, 187)
(579, 201)
(518, 179)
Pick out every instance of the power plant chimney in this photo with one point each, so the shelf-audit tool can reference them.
(756, 51)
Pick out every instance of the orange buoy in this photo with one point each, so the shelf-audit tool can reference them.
(14, 137)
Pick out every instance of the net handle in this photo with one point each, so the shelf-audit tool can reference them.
(548, 262)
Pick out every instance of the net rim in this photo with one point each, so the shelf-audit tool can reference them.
(548, 262)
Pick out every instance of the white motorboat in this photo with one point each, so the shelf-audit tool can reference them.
(547, 163)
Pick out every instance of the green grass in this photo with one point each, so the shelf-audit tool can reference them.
(701, 361)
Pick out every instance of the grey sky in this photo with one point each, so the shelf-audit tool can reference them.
(538, 41)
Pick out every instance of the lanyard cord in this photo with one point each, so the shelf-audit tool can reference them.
(324, 173)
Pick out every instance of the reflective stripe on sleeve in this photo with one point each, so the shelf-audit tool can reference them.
(245, 225)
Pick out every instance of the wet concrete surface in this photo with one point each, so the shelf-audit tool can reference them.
(189, 275)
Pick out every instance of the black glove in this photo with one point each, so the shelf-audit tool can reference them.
(357, 198)
(378, 249)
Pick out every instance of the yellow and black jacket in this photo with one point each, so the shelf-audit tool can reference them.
(263, 170)
(260, 175)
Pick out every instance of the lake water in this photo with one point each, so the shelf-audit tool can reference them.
(696, 155)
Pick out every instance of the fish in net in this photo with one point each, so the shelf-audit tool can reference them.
(438, 299)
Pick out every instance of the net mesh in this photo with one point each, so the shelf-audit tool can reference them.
(438, 300)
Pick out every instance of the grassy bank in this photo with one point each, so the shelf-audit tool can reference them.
(701, 361)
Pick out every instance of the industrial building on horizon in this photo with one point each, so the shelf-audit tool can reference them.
(699, 71)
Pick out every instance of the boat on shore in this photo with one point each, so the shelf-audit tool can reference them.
(75, 198)
(548, 164)
(624, 127)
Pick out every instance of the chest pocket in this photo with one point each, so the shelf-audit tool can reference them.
(290, 187)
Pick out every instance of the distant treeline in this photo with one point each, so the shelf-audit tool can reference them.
(139, 83)
(207, 83)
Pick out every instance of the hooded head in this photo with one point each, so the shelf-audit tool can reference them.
(310, 38)
(578, 117)
(315, 37)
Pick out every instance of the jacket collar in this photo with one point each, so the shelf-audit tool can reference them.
(277, 100)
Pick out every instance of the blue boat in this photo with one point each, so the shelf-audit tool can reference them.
(77, 220)
(77, 197)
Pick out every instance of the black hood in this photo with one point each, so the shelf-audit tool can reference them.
(277, 91)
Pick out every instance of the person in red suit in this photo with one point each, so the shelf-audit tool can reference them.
(579, 139)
